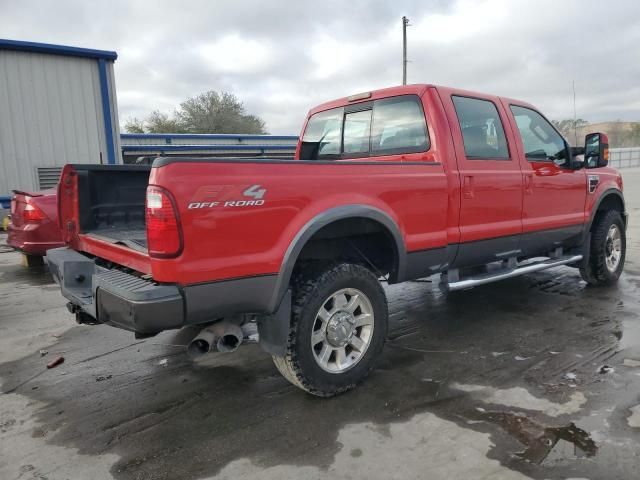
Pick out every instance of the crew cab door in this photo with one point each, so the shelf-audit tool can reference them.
(554, 193)
(490, 179)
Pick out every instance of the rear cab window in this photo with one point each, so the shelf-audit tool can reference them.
(399, 126)
(482, 130)
(389, 126)
(323, 135)
(357, 131)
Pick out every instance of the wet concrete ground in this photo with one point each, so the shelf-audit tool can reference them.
(535, 377)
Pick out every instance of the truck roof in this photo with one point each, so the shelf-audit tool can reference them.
(415, 89)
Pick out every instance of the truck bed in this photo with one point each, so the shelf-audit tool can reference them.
(131, 237)
(111, 204)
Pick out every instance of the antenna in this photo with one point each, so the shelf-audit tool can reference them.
(405, 24)
(575, 117)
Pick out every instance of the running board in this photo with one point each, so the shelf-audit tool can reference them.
(502, 274)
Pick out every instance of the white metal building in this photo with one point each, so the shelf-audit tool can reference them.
(57, 105)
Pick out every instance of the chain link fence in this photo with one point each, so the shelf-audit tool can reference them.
(624, 157)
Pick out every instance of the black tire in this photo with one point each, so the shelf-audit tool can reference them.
(594, 269)
(32, 261)
(311, 288)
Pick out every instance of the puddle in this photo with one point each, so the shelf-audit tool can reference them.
(27, 443)
(543, 442)
(423, 447)
(519, 397)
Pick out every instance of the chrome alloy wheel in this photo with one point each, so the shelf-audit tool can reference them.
(613, 248)
(342, 330)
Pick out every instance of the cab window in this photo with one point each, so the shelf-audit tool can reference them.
(387, 126)
(357, 132)
(323, 135)
(399, 126)
(540, 140)
(482, 131)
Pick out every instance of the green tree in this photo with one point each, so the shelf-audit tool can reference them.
(134, 125)
(156, 122)
(209, 112)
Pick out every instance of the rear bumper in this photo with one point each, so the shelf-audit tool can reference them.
(140, 305)
(115, 297)
(33, 239)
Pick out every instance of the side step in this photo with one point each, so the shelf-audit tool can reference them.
(502, 274)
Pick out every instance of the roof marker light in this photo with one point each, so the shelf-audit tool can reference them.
(359, 96)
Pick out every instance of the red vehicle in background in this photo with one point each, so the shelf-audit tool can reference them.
(33, 228)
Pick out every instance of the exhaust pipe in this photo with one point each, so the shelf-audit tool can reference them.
(220, 337)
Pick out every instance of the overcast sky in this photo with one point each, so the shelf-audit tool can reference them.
(283, 57)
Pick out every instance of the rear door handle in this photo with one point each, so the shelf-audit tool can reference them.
(467, 187)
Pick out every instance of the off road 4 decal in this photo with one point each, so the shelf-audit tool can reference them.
(228, 196)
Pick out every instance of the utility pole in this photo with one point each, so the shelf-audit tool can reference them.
(405, 23)
(575, 116)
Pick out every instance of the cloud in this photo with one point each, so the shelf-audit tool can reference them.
(281, 57)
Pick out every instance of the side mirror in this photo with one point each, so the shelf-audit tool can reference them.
(596, 150)
(577, 157)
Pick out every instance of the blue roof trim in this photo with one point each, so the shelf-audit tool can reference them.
(65, 50)
(106, 111)
(207, 136)
(191, 148)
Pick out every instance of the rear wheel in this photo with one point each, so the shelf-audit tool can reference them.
(607, 250)
(338, 328)
(32, 261)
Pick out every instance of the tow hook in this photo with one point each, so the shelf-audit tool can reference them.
(73, 308)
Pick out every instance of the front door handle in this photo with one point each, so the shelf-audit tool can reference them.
(528, 183)
(467, 186)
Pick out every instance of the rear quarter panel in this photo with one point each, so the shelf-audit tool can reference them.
(222, 242)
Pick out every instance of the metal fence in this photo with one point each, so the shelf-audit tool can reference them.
(149, 145)
(624, 157)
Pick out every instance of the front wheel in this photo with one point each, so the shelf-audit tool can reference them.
(338, 328)
(607, 250)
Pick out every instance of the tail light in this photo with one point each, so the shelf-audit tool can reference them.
(164, 236)
(32, 214)
(68, 208)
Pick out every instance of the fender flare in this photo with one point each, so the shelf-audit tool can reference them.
(323, 219)
(607, 193)
(586, 241)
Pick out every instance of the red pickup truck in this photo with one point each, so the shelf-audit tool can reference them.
(394, 184)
